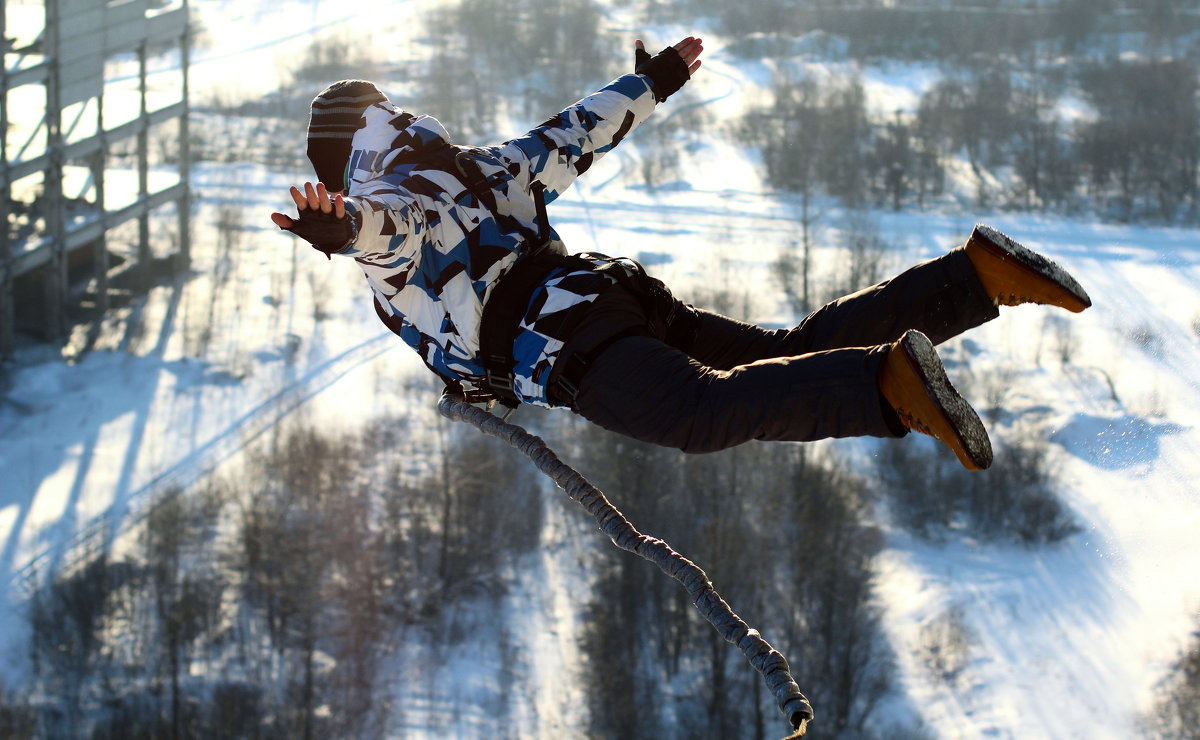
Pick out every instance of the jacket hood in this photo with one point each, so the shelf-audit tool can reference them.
(377, 146)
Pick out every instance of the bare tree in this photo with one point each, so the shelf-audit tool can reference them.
(865, 258)
(1177, 712)
(812, 138)
(185, 600)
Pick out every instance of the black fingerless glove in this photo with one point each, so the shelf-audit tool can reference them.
(325, 231)
(666, 70)
(640, 57)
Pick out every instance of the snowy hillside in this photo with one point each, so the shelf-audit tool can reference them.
(1062, 641)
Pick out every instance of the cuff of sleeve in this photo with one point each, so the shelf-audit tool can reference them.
(650, 84)
(355, 214)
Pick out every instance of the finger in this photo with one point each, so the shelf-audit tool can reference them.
(680, 44)
(339, 206)
(639, 45)
(311, 193)
(281, 220)
(323, 198)
(692, 69)
(298, 198)
(690, 52)
(690, 48)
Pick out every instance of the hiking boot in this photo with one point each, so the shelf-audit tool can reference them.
(1012, 275)
(914, 382)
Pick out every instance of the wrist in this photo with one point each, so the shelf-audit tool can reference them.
(649, 84)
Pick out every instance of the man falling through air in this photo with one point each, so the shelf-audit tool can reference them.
(464, 266)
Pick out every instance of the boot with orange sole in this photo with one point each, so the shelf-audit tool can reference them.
(913, 381)
(1012, 274)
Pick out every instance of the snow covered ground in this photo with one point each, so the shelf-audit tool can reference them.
(1070, 640)
(1062, 642)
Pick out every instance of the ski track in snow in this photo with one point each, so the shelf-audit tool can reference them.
(129, 508)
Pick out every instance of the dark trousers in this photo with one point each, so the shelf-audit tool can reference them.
(739, 382)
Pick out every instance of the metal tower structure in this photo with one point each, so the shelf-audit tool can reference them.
(75, 87)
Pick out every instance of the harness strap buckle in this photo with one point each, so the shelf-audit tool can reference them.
(502, 384)
(566, 383)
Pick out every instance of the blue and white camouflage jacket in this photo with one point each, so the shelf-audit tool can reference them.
(432, 251)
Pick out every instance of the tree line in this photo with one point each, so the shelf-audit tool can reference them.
(1066, 106)
(1003, 130)
(940, 30)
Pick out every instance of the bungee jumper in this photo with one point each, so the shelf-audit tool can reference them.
(465, 267)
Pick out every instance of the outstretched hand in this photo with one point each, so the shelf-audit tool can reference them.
(322, 221)
(669, 69)
(315, 198)
(689, 50)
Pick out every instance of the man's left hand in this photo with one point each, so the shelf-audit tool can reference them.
(315, 198)
(322, 221)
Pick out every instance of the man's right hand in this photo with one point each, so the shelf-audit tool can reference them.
(669, 69)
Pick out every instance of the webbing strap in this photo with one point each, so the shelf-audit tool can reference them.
(765, 659)
(543, 219)
(501, 322)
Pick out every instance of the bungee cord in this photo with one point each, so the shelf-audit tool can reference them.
(766, 660)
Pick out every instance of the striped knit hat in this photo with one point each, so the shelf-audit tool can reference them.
(335, 115)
